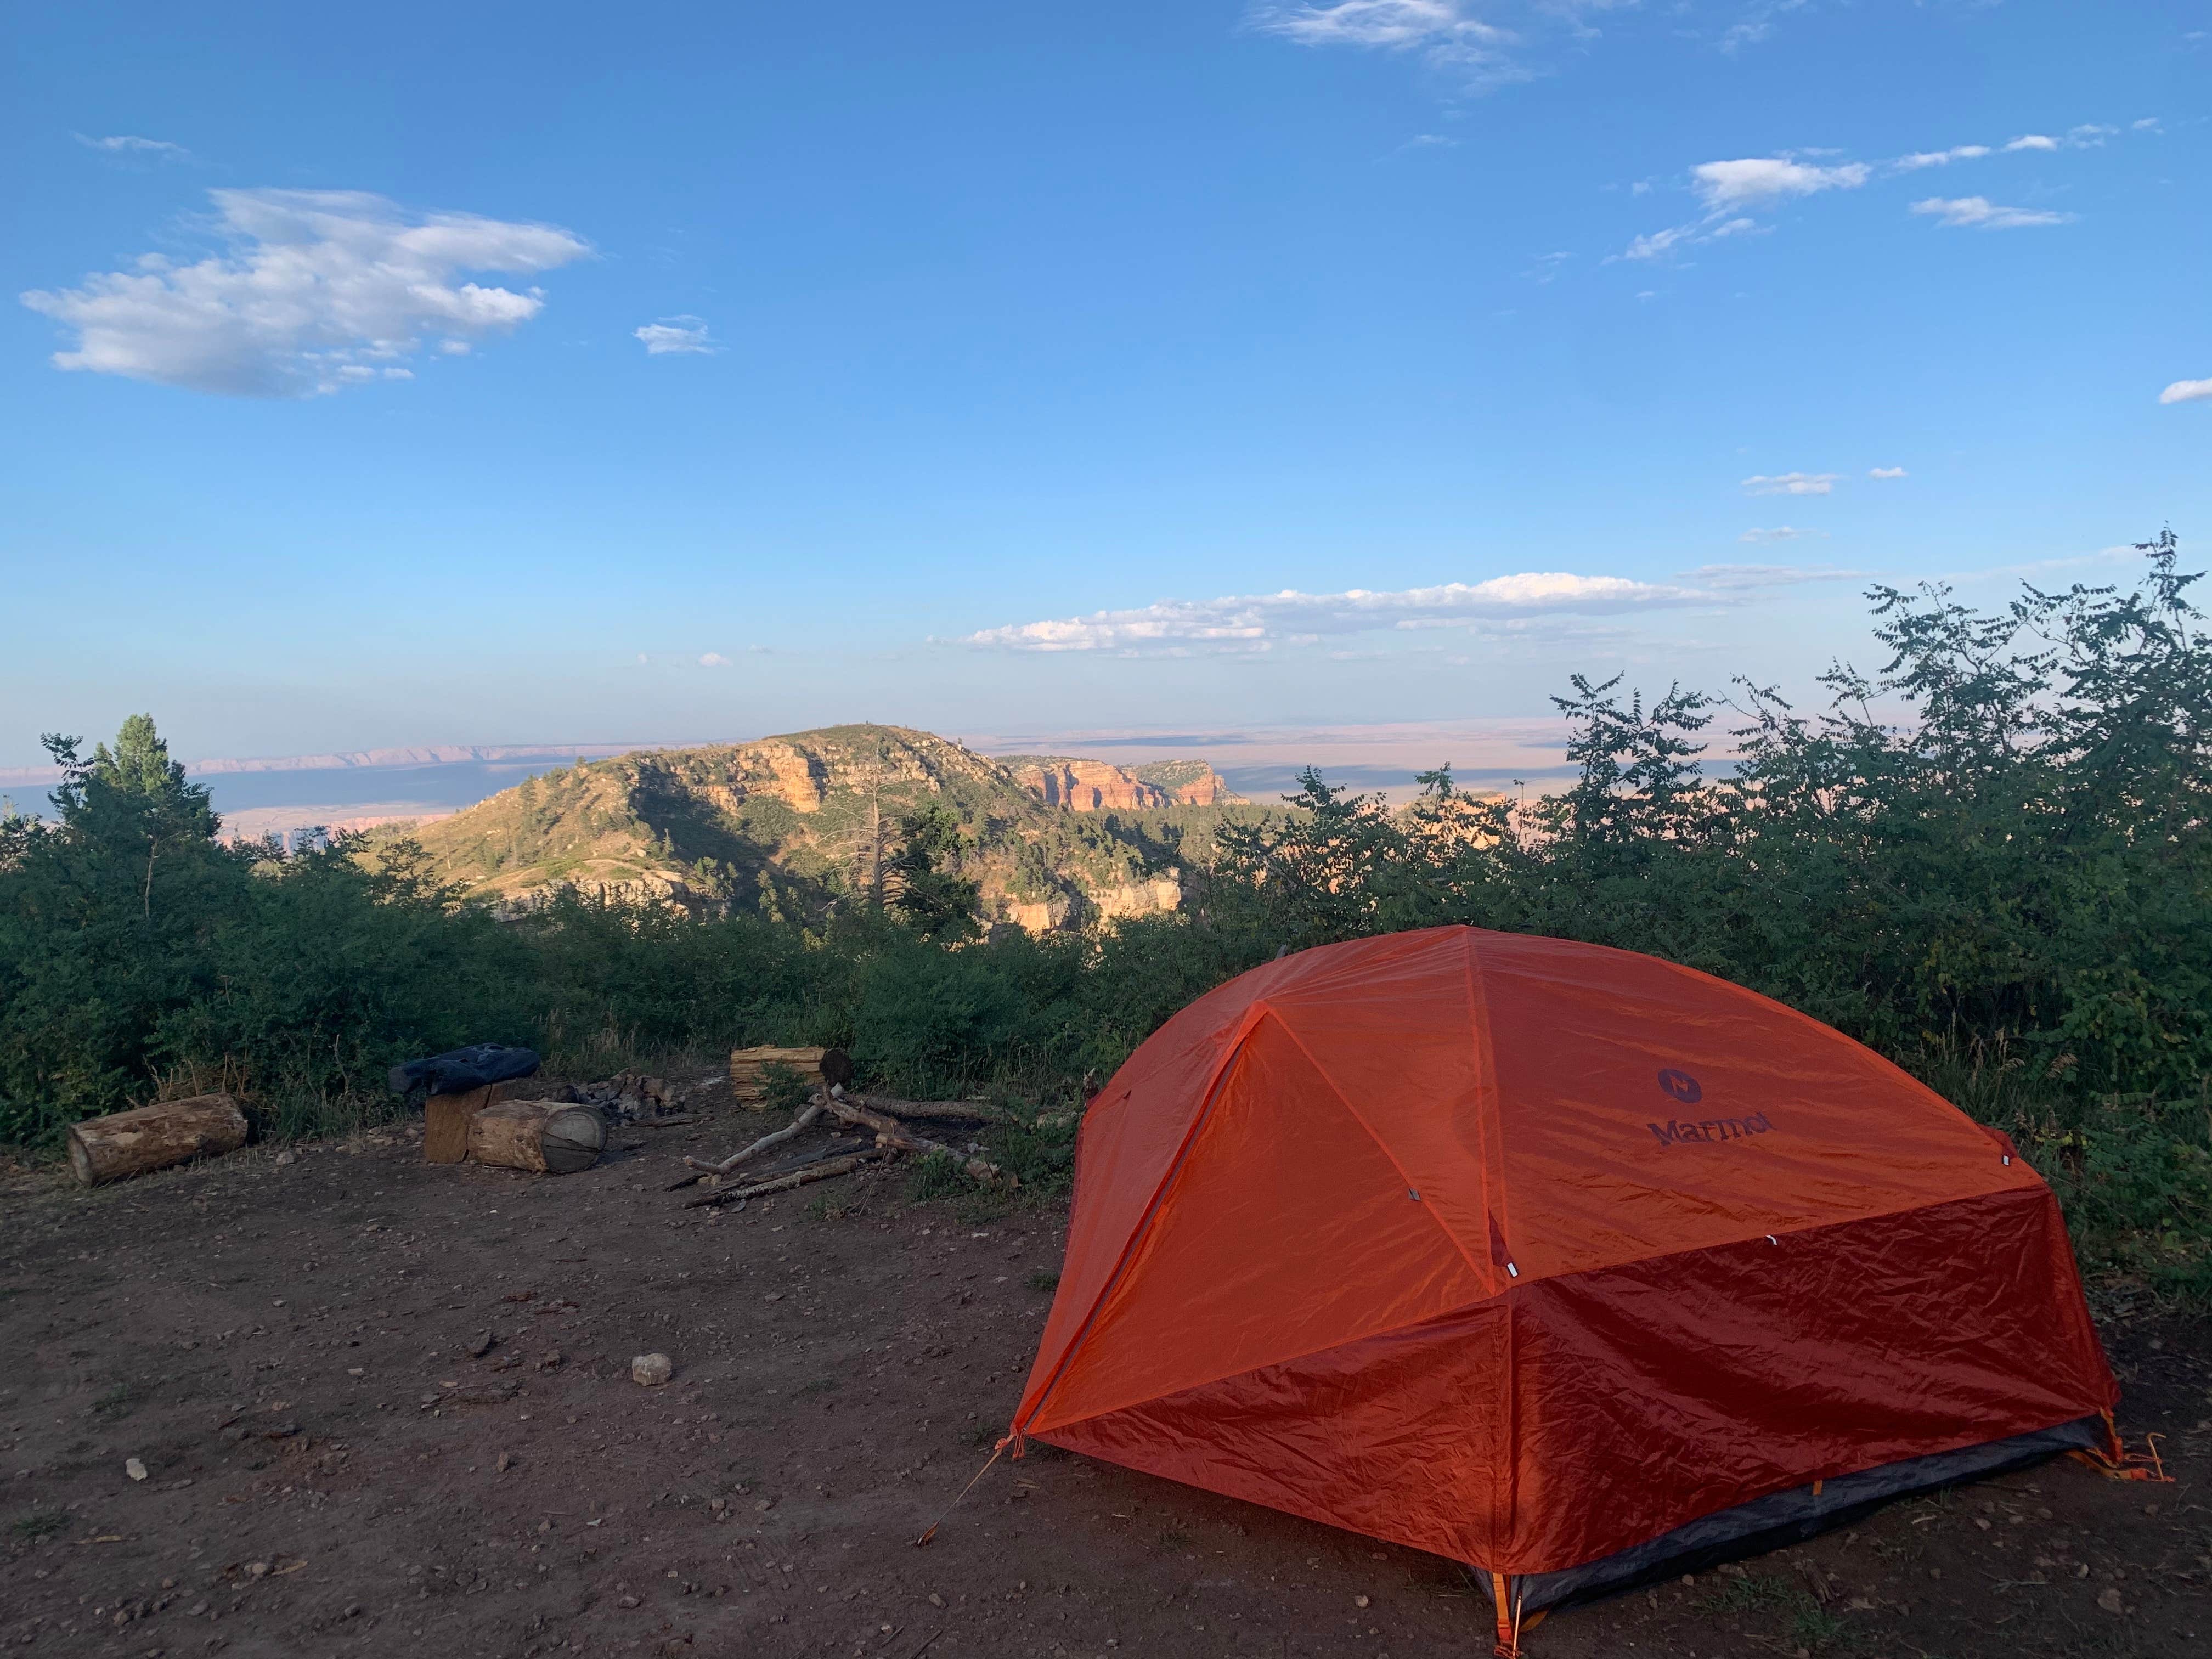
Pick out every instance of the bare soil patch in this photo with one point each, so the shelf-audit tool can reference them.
(336, 1462)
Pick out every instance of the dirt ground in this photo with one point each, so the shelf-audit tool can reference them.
(287, 1343)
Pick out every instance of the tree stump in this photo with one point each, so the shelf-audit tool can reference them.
(445, 1117)
(548, 1136)
(154, 1137)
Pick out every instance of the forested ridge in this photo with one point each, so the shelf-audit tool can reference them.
(1988, 858)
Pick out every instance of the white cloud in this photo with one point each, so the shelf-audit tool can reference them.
(1939, 158)
(311, 284)
(1448, 35)
(1885, 472)
(2089, 135)
(1755, 181)
(1781, 532)
(2185, 392)
(1659, 242)
(2031, 141)
(1791, 483)
(711, 659)
(1258, 623)
(1980, 212)
(675, 335)
(2148, 124)
(1397, 24)
(128, 144)
(455, 348)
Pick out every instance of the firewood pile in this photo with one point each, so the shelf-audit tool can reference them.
(882, 1136)
(756, 1073)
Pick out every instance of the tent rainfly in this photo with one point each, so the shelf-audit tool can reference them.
(1570, 1264)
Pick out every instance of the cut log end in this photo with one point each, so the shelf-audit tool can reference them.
(548, 1137)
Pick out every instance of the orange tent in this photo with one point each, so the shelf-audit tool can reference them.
(1568, 1263)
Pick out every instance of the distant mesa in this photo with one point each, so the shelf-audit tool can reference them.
(799, 825)
(1090, 786)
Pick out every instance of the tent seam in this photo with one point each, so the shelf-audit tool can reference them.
(1381, 1146)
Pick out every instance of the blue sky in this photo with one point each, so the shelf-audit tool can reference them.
(1009, 356)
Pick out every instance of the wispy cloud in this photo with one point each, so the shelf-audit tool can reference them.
(1661, 242)
(1471, 51)
(2186, 392)
(1397, 24)
(129, 144)
(1750, 577)
(316, 290)
(1757, 23)
(1885, 472)
(714, 659)
(1791, 483)
(1939, 158)
(1980, 212)
(1261, 622)
(676, 335)
(1729, 191)
(1781, 532)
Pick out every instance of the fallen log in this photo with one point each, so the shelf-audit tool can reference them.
(839, 1166)
(891, 1132)
(797, 1124)
(817, 1069)
(549, 1137)
(445, 1118)
(154, 1137)
(960, 1111)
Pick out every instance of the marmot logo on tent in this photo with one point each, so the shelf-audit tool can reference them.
(1681, 1085)
(1713, 1129)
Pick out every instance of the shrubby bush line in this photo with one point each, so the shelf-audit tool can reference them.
(1987, 859)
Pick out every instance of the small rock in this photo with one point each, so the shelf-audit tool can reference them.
(651, 1370)
(1359, 1601)
(134, 1468)
(480, 1346)
(257, 1568)
(626, 1602)
(2109, 1601)
(283, 1159)
(764, 1504)
(356, 1370)
(935, 1600)
(506, 1462)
